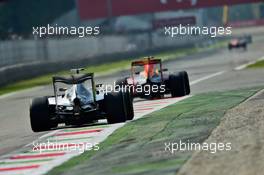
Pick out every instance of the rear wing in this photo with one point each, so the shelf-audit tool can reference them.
(145, 62)
(73, 79)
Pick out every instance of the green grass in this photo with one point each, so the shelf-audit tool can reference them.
(138, 147)
(259, 64)
(101, 69)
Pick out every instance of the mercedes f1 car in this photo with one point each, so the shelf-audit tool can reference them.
(149, 80)
(77, 101)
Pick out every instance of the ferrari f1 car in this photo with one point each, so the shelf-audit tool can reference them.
(240, 42)
(77, 101)
(149, 80)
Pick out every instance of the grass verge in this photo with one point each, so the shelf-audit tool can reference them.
(102, 69)
(138, 147)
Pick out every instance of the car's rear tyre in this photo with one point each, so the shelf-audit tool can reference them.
(115, 107)
(129, 105)
(179, 84)
(186, 83)
(245, 46)
(39, 115)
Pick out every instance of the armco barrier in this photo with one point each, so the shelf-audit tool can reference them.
(30, 58)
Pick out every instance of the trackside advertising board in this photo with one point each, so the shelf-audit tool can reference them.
(93, 9)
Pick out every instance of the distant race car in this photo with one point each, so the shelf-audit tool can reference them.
(248, 39)
(240, 42)
(78, 101)
(149, 80)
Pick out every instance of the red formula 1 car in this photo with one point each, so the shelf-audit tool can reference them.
(149, 80)
(239, 42)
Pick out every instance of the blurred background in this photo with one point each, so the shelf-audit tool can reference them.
(128, 28)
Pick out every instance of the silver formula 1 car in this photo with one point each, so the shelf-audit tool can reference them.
(77, 101)
(149, 79)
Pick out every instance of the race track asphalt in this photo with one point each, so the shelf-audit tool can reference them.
(15, 130)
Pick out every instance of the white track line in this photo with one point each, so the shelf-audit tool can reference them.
(206, 77)
(243, 66)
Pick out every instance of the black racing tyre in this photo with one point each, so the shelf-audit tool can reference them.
(115, 107)
(39, 115)
(186, 83)
(245, 46)
(179, 84)
(122, 83)
(129, 105)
